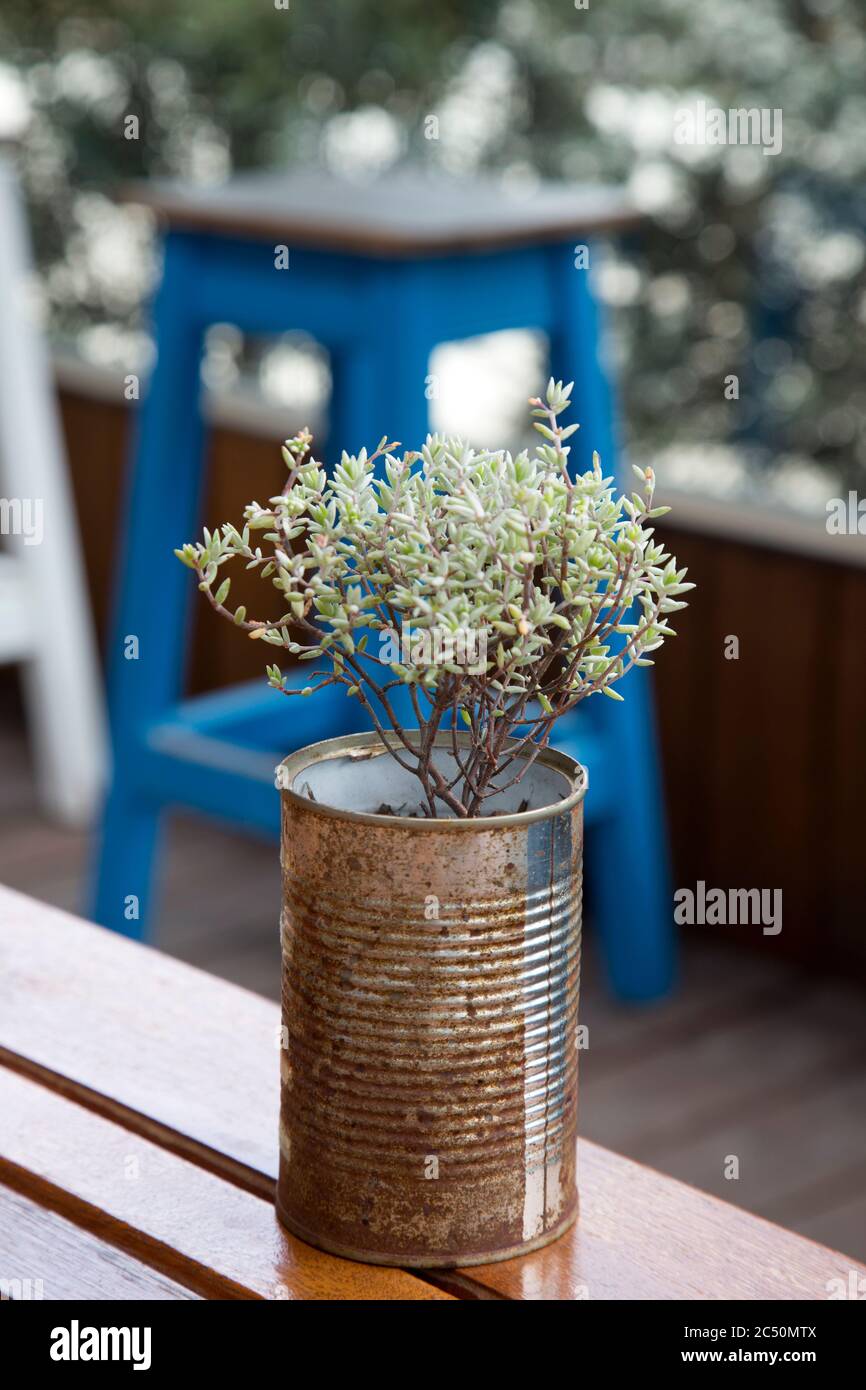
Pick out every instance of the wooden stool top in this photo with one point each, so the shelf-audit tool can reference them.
(409, 213)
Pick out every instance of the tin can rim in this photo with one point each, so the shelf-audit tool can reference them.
(313, 753)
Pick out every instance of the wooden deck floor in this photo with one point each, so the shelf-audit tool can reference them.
(750, 1059)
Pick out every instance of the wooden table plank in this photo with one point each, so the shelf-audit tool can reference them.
(148, 1040)
(197, 1056)
(641, 1235)
(43, 1256)
(191, 1225)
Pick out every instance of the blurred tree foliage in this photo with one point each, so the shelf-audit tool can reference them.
(751, 265)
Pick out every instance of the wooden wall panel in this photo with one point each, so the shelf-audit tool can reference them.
(841, 758)
(685, 685)
(239, 469)
(96, 435)
(765, 773)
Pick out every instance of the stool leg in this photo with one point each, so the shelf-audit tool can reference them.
(355, 415)
(356, 421)
(628, 854)
(627, 851)
(380, 384)
(146, 657)
(404, 346)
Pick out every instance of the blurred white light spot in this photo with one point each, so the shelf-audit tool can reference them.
(484, 385)
(669, 294)
(837, 256)
(112, 249)
(14, 104)
(657, 187)
(297, 374)
(478, 108)
(617, 283)
(110, 345)
(359, 144)
(92, 81)
(726, 319)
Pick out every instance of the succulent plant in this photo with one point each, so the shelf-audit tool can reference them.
(499, 589)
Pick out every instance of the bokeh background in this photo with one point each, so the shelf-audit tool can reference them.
(746, 264)
(750, 263)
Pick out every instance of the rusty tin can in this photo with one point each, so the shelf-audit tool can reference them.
(430, 992)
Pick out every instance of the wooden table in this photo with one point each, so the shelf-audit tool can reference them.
(138, 1124)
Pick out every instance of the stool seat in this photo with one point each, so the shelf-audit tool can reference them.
(410, 213)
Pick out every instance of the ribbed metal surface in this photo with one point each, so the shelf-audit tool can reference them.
(430, 1072)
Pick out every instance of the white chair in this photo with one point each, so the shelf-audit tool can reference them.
(45, 621)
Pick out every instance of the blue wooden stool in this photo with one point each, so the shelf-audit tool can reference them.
(380, 275)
